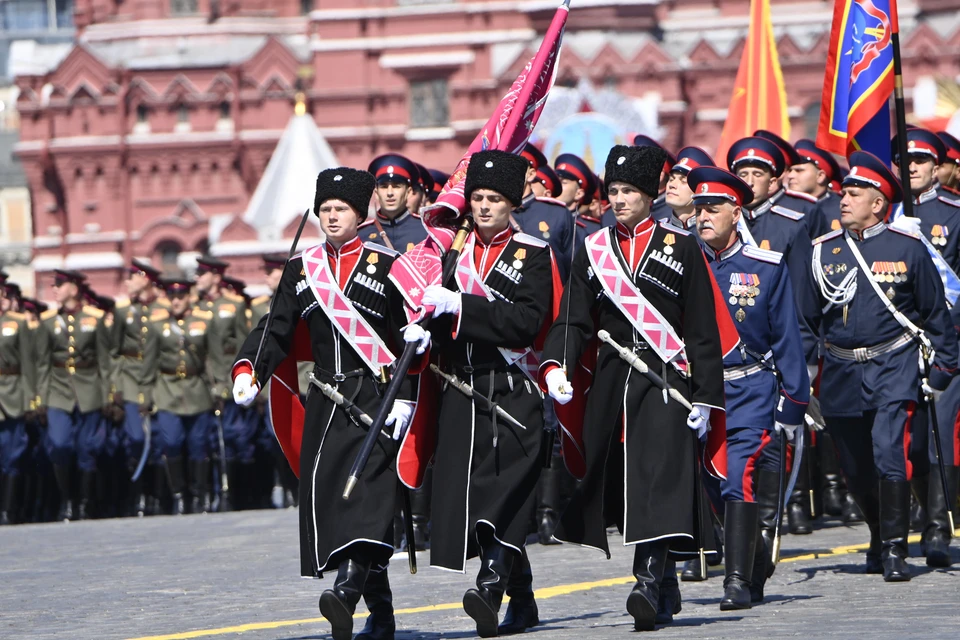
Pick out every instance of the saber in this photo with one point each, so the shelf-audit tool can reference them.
(781, 494)
(273, 298)
(483, 401)
(634, 361)
(357, 413)
(798, 457)
(224, 482)
(147, 429)
(935, 427)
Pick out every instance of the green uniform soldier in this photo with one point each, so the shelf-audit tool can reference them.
(17, 397)
(181, 345)
(73, 365)
(238, 425)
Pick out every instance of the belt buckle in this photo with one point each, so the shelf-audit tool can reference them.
(860, 354)
(339, 377)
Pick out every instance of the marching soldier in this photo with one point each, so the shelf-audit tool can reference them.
(663, 267)
(659, 209)
(678, 195)
(812, 174)
(239, 429)
(337, 289)
(182, 343)
(394, 226)
(18, 393)
(128, 339)
(877, 287)
(765, 380)
(948, 173)
(485, 330)
(795, 201)
(73, 373)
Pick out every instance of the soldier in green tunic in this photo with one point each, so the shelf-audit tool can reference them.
(177, 381)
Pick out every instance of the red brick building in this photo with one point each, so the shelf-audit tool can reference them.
(149, 136)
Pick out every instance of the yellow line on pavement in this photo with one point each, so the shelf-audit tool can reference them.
(541, 594)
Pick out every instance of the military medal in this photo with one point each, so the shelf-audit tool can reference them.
(372, 260)
(740, 315)
(938, 232)
(669, 240)
(544, 229)
(519, 257)
(891, 293)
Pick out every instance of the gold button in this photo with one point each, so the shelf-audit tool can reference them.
(143, 318)
(70, 329)
(71, 340)
(71, 349)
(180, 322)
(143, 329)
(182, 352)
(70, 318)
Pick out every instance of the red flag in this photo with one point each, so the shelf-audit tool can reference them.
(759, 99)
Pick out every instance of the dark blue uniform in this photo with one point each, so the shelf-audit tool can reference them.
(940, 224)
(804, 204)
(830, 208)
(549, 220)
(587, 225)
(875, 398)
(948, 195)
(404, 232)
(760, 299)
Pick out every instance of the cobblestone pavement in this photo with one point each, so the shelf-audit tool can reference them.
(218, 576)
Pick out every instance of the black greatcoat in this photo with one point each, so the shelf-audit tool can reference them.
(476, 483)
(646, 484)
(331, 439)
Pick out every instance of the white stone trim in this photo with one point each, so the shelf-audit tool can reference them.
(468, 38)
(421, 60)
(430, 133)
(79, 261)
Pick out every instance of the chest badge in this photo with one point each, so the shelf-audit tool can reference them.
(740, 315)
(544, 229)
(744, 289)
(372, 260)
(668, 241)
(891, 294)
(837, 250)
(373, 236)
(889, 272)
(939, 234)
(409, 246)
(519, 257)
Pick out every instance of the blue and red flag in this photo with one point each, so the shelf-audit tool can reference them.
(855, 112)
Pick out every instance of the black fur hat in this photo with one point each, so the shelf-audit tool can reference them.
(353, 186)
(500, 171)
(639, 166)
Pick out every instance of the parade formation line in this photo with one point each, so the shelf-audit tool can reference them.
(541, 594)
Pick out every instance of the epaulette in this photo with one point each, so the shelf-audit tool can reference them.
(260, 299)
(159, 314)
(787, 213)
(552, 201)
(365, 223)
(763, 255)
(952, 203)
(234, 297)
(163, 302)
(827, 236)
(93, 311)
(525, 239)
(15, 315)
(379, 248)
(801, 195)
(122, 303)
(903, 233)
(49, 313)
(201, 314)
(672, 229)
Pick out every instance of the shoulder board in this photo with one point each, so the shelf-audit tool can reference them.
(93, 311)
(828, 236)
(15, 315)
(200, 313)
(786, 213)
(379, 248)
(122, 303)
(163, 302)
(523, 238)
(801, 195)
(260, 300)
(903, 233)
(672, 229)
(49, 313)
(552, 201)
(365, 223)
(229, 295)
(580, 223)
(159, 314)
(763, 255)
(949, 201)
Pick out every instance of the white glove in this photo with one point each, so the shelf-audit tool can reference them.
(558, 387)
(907, 225)
(930, 392)
(416, 333)
(789, 429)
(399, 417)
(444, 300)
(699, 419)
(244, 390)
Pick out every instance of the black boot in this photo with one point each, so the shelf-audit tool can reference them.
(937, 533)
(798, 502)
(834, 488)
(420, 511)
(693, 571)
(894, 529)
(200, 486)
(741, 524)
(649, 561)
(380, 624)
(869, 503)
(227, 494)
(62, 475)
(918, 506)
(88, 489)
(177, 481)
(8, 502)
(522, 612)
(338, 604)
(851, 510)
(767, 487)
(483, 603)
(136, 500)
(548, 502)
(670, 602)
(155, 501)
